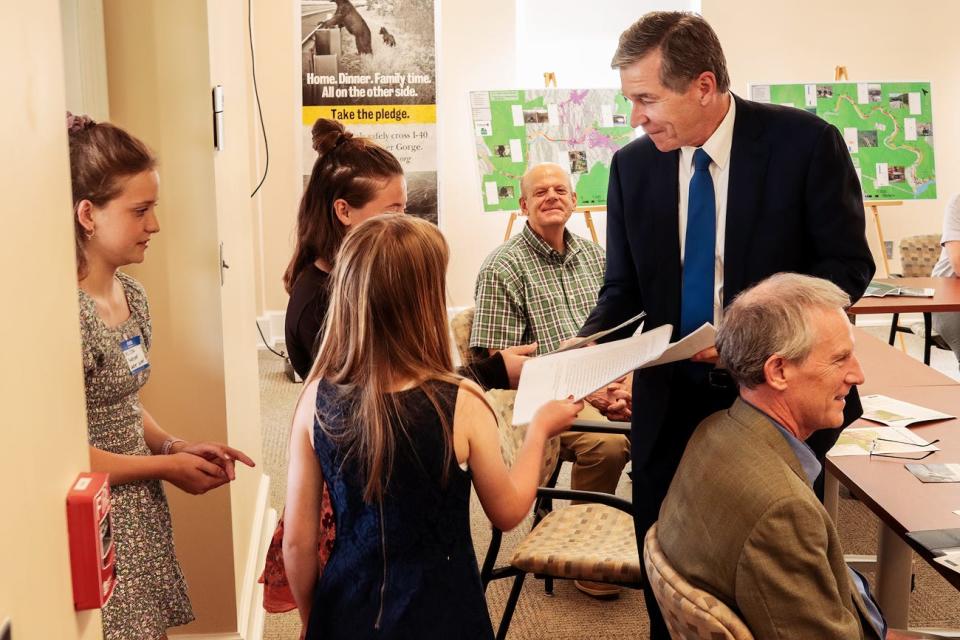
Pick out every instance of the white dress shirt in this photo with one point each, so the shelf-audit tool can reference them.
(718, 147)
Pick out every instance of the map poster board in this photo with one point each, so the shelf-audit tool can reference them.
(888, 128)
(371, 64)
(579, 129)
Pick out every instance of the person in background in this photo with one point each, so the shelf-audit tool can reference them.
(719, 194)
(398, 438)
(115, 189)
(948, 324)
(741, 520)
(353, 179)
(540, 286)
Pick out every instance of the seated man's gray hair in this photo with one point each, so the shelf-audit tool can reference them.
(773, 317)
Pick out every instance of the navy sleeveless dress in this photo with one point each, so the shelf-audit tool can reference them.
(404, 568)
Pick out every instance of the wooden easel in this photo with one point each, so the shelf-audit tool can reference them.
(874, 208)
(586, 218)
(840, 73)
(550, 78)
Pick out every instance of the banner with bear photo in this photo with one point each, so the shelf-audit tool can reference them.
(371, 65)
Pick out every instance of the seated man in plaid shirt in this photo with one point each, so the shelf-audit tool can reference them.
(540, 286)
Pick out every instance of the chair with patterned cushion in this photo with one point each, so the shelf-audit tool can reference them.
(690, 613)
(593, 541)
(461, 325)
(918, 255)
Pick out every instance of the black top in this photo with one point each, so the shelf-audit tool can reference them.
(306, 313)
(403, 568)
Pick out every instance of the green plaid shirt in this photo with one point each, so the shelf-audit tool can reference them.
(527, 292)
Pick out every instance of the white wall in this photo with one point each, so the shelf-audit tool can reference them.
(510, 43)
(85, 58)
(577, 39)
(503, 44)
(885, 41)
(42, 413)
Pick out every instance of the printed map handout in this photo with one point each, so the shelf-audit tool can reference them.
(897, 413)
(862, 441)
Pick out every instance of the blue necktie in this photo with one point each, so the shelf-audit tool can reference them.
(696, 298)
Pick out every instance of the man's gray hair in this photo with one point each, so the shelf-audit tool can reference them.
(686, 41)
(774, 317)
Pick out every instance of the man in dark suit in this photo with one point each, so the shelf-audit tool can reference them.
(765, 189)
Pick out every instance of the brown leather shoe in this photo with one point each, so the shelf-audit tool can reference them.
(599, 590)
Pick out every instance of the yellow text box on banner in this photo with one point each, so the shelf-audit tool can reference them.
(374, 114)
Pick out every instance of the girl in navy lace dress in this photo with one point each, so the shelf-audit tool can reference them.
(397, 438)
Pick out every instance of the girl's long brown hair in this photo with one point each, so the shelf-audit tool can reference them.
(348, 168)
(387, 325)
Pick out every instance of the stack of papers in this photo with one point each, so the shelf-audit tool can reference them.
(580, 372)
(879, 290)
(862, 441)
(944, 544)
(896, 413)
(949, 560)
(935, 472)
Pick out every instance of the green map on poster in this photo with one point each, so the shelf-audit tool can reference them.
(888, 128)
(579, 129)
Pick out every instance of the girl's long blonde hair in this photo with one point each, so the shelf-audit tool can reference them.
(386, 326)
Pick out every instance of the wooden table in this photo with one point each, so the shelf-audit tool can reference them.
(901, 501)
(946, 297)
(881, 372)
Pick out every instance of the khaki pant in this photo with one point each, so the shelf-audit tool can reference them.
(598, 458)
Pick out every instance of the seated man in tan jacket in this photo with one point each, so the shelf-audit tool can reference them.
(740, 520)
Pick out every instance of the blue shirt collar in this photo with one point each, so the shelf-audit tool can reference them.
(805, 455)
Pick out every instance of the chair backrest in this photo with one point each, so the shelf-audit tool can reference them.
(511, 437)
(690, 613)
(918, 255)
(461, 325)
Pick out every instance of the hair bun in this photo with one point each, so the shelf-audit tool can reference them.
(78, 123)
(343, 137)
(325, 142)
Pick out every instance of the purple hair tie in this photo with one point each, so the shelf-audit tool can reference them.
(78, 123)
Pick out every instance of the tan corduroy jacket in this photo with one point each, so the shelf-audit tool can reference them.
(741, 522)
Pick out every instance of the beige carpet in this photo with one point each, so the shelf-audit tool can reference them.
(569, 614)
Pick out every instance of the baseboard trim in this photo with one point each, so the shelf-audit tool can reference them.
(250, 615)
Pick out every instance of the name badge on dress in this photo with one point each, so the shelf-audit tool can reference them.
(135, 355)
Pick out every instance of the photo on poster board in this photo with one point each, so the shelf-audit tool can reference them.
(370, 64)
(887, 126)
(579, 129)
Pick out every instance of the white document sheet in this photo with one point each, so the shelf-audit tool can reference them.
(950, 561)
(897, 413)
(862, 441)
(599, 334)
(580, 372)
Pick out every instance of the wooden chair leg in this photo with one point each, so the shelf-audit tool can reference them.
(927, 337)
(511, 605)
(548, 586)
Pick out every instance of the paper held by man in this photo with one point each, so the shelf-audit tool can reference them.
(580, 372)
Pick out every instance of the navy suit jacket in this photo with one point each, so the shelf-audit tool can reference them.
(794, 204)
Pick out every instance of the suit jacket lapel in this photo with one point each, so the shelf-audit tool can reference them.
(748, 167)
(762, 430)
(665, 206)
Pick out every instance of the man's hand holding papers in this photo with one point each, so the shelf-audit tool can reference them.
(579, 372)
